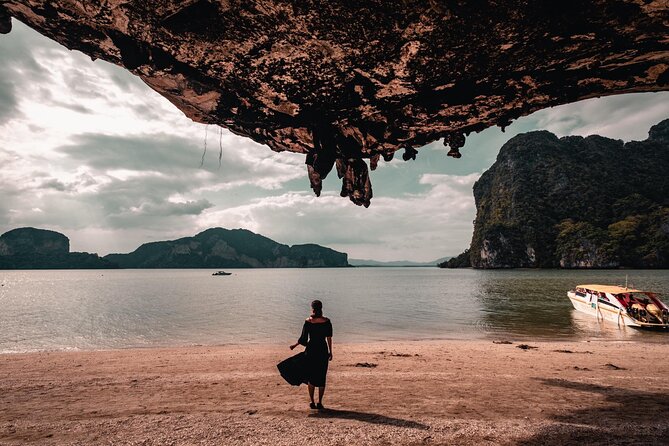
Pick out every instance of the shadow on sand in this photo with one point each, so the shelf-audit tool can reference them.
(366, 417)
(630, 417)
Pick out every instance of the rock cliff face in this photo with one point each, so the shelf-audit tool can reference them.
(223, 248)
(343, 82)
(574, 202)
(30, 248)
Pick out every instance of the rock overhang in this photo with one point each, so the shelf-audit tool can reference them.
(348, 85)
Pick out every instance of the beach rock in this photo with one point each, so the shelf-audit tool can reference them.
(574, 202)
(368, 365)
(613, 367)
(342, 82)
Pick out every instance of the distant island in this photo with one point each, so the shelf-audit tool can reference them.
(228, 248)
(573, 202)
(394, 263)
(31, 248)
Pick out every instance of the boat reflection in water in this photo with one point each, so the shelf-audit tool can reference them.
(586, 326)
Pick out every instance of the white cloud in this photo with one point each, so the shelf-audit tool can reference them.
(626, 117)
(167, 208)
(422, 226)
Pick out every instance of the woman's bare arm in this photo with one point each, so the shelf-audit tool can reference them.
(329, 339)
(304, 337)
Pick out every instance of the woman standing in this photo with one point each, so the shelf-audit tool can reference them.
(317, 337)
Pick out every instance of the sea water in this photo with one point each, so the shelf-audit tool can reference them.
(103, 309)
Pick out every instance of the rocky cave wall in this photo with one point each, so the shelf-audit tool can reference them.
(346, 82)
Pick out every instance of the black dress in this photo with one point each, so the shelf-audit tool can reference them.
(310, 366)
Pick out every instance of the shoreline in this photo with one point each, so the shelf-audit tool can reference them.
(466, 337)
(467, 392)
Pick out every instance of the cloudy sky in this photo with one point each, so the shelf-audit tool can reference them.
(88, 150)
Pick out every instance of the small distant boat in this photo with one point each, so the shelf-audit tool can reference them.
(621, 305)
(221, 273)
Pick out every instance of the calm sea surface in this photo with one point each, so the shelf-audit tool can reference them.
(56, 310)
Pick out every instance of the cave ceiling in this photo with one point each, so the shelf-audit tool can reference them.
(348, 84)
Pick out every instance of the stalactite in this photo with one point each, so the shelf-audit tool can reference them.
(454, 140)
(220, 147)
(5, 21)
(321, 158)
(503, 123)
(341, 167)
(206, 129)
(355, 181)
(325, 152)
(315, 180)
(409, 154)
(374, 161)
(388, 156)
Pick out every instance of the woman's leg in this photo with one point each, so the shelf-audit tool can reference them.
(311, 392)
(321, 391)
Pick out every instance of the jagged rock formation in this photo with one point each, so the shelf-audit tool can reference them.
(574, 202)
(5, 21)
(343, 82)
(224, 248)
(30, 248)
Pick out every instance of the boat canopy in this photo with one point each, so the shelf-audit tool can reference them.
(610, 289)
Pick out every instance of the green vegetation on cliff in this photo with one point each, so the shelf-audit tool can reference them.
(574, 202)
(461, 261)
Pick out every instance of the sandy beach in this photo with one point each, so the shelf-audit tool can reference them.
(388, 393)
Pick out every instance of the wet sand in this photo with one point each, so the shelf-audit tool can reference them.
(390, 393)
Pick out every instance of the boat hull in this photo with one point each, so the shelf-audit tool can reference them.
(602, 312)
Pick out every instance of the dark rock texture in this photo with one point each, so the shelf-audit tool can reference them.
(31, 248)
(224, 248)
(5, 21)
(342, 82)
(574, 202)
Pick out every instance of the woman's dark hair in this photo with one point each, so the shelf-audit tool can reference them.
(317, 307)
